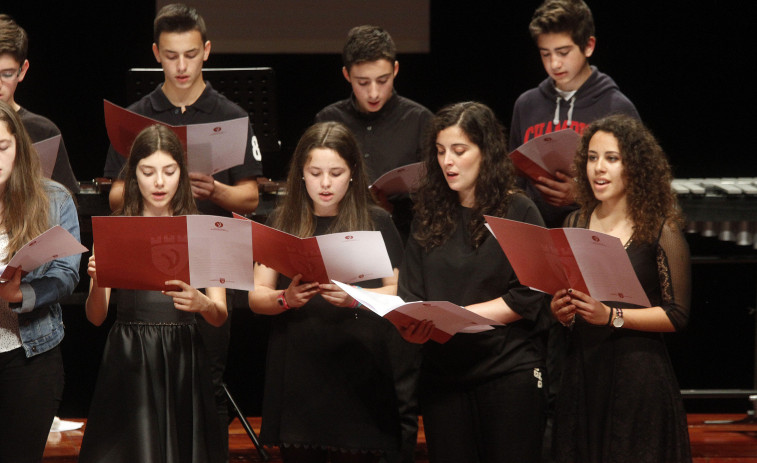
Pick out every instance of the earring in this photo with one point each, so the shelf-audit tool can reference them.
(350, 179)
(303, 178)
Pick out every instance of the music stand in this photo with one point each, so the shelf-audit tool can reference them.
(248, 429)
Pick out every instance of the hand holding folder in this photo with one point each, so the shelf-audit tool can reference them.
(544, 155)
(211, 147)
(553, 259)
(448, 318)
(53, 244)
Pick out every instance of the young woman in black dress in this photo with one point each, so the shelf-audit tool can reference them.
(153, 400)
(619, 400)
(329, 387)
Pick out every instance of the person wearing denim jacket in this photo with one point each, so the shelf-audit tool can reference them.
(31, 324)
(40, 318)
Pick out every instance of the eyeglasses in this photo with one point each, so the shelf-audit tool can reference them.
(9, 75)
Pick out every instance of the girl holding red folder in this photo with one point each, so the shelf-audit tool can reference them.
(330, 375)
(31, 320)
(154, 400)
(482, 395)
(619, 399)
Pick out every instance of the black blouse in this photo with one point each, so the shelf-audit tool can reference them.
(460, 273)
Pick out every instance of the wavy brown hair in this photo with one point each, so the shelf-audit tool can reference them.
(436, 203)
(157, 137)
(295, 215)
(646, 173)
(25, 205)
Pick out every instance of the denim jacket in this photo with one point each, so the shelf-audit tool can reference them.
(40, 319)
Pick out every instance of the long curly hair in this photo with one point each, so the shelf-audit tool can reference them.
(436, 203)
(295, 214)
(646, 173)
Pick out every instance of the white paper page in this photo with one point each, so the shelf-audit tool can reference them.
(48, 153)
(355, 256)
(605, 267)
(381, 304)
(447, 317)
(220, 252)
(216, 146)
(53, 244)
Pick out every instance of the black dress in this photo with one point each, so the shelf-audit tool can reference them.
(619, 400)
(329, 376)
(153, 401)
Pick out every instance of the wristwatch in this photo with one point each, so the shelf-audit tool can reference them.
(618, 321)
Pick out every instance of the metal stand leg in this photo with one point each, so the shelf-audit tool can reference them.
(250, 432)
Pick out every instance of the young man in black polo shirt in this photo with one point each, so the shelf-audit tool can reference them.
(389, 128)
(181, 47)
(14, 45)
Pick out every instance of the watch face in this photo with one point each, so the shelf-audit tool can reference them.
(618, 322)
(280, 301)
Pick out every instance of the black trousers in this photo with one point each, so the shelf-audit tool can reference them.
(499, 421)
(30, 393)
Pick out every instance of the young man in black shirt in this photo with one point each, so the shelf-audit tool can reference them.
(14, 45)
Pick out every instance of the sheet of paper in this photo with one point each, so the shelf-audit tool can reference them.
(544, 155)
(220, 250)
(145, 252)
(448, 318)
(211, 147)
(48, 153)
(53, 244)
(355, 256)
(216, 146)
(401, 180)
(605, 267)
(550, 260)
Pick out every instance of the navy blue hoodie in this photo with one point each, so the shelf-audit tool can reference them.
(541, 110)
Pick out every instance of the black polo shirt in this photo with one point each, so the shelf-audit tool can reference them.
(211, 106)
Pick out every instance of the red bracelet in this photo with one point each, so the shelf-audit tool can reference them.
(282, 300)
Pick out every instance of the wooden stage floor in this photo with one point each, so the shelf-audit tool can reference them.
(710, 443)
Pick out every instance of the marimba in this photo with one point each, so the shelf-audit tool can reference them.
(720, 207)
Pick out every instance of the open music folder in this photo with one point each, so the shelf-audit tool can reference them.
(448, 318)
(544, 155)
(560, 258)
(213, 251)
(53, 244)
(346, 256)
(144, 252)
(211, 147)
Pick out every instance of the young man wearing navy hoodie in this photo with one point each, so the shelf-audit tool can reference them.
(573, 95)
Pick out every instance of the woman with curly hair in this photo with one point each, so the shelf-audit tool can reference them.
(619, 398)
(481, 394)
